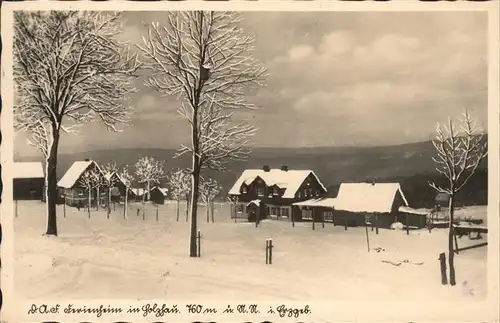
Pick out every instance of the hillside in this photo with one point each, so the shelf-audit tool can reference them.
(409, 164)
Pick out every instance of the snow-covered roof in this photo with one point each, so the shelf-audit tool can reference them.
(162, 190)
(28, 170)
(107, 176)
(321, 202)
(74, 172)
(138, 191)
(409, 210)
(368, 197)
(289, 180)
(255, 202)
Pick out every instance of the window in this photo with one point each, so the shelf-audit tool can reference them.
(239, 208)
(307, 214)
(284, 212)
(260, 191)
(328, 216)
(299, 195)
(244, 189)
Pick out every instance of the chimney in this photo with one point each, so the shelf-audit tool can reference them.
(284, 168)
(373, 182)
(266, 168)
(87, 159)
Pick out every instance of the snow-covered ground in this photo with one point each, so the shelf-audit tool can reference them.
(136, 258)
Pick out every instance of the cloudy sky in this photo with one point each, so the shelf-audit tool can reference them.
(335, 79)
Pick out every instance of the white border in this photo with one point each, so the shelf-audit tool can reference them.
(324, 310)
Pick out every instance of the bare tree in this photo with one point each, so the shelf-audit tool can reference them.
(110, 172)
(233, 201)
(126, 179)
(206, 59)
(177, 187)
(148, 171)
(209, 190)
(90, 180)
(69, 70)
(459, 152)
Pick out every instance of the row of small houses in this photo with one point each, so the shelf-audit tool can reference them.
(292, 195)
(29, 185)
(299, 195)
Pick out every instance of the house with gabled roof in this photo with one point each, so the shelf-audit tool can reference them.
(270, 193)
(118, 188)
(158, 195)
(71, 189)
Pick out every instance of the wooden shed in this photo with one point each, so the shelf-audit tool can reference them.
(157, 195)
(28, 181)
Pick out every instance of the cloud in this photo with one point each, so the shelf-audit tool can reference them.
(337, 78)
(335, 43)
(299, 52)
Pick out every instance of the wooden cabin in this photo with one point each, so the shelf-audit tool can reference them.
(158, 195)
(118, 188)
(28, 181)
(271, 193)
(72, 190)
(359, 204)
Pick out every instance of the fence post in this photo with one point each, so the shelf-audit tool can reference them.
(323, 218)
(143, 215)
(312, 216)
(16, 213)
(270, 251)
(267, 251)
(345, 222)
(376, 223)
(198, 238)
(407, 225)
(367, 237)
(442, 261)
(137, 211)
(156, 212)
(64, 205)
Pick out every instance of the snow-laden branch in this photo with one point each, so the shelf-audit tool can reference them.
(69, 69)
(209, 190)
(459, 152)
(178, 183)
(206, 59)
(148, 170)
(110, 170)
(126, 177)
(91, 179)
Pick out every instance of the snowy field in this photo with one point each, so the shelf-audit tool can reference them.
(136, 258)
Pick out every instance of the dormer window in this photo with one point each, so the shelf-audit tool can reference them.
(244, 189)
(260, 191)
